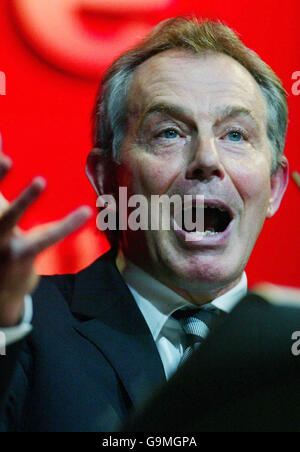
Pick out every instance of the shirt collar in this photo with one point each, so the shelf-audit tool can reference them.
(157, 302)
(230, 299)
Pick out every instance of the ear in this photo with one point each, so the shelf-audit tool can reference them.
(101, 171)
(279, 182)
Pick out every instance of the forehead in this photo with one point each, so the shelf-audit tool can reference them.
(202, 83)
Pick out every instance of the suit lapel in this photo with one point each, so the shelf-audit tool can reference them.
(117, 328)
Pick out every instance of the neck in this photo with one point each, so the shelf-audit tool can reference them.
(202, 295)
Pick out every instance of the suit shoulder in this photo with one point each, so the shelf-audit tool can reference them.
(63, 284)
(57, 291)
(281, 296)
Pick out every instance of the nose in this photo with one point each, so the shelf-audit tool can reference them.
(205, 163)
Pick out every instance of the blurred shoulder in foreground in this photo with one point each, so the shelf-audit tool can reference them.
(244, 378)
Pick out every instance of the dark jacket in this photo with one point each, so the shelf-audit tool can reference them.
(91, 361)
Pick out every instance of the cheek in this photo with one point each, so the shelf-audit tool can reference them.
(252, 182)
(154, 175)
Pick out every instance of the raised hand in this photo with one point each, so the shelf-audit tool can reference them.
(18, 249)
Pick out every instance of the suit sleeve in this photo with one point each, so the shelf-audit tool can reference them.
(13, 362)
(18, 365)
(13, 385)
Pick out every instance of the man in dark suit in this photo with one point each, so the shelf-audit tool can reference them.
(189, 111)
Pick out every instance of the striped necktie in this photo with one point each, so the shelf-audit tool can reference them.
(197, 324)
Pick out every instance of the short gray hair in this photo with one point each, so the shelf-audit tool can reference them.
(111, 109)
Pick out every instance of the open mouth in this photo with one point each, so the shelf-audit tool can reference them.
(215, 219)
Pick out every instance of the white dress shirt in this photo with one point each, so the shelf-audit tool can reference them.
(16, 333)
(157, 303)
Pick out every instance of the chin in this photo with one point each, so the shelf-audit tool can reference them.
(193, 272)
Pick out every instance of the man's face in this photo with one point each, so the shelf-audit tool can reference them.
(197, 126)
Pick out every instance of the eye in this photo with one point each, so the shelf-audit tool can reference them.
(169, 134)
(235, 136)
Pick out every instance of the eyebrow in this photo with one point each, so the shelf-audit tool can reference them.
(232, 111)
(223, 114)
(169, 109)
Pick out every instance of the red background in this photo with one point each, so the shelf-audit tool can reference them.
(45, 123)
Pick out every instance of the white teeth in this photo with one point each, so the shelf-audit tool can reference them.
(215, 207)
(206, 233)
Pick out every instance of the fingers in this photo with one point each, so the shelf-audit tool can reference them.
(37, 242)
(5, 165)
(3, 203)
(28, 246)
(15, 210)
(5, 162)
